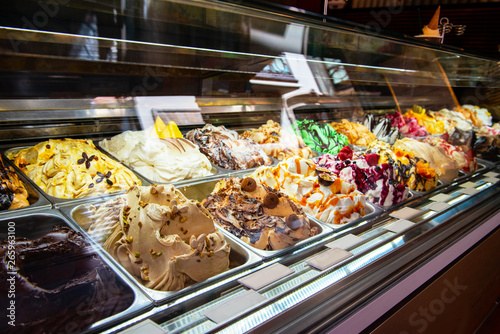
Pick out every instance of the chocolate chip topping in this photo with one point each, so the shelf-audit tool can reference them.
(271, 201)
(293, 221)
(249, 184)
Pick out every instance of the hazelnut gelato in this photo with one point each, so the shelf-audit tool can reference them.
(162, 238)
(226, 149)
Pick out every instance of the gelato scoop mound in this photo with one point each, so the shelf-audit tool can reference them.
(334, 202)
(257, 214)
(164, 239)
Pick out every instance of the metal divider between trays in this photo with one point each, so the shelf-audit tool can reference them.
(140, 303)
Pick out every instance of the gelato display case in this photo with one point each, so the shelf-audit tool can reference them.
(206, 166)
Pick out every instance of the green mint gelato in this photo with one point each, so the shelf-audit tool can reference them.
(320, 137)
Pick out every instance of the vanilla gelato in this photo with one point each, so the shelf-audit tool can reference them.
(481, 113)
(459, 120)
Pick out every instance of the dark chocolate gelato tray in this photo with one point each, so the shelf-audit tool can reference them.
(183, 268)
(55, 279)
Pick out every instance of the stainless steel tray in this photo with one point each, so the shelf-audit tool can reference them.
(35, 198)
(241, 260)
(56, 200)
(200, 191)
(35, 225)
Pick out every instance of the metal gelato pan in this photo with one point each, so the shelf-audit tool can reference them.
(35, 198)
(200, 191)
(122, 304)
(240, 259)
(56, 200)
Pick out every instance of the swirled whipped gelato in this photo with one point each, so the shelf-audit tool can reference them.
(72, 168)
(337, 202)
(160, 237)
(464, 156)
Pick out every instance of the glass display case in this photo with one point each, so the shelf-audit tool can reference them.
(119, 118)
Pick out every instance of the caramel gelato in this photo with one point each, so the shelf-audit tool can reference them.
(357, 134)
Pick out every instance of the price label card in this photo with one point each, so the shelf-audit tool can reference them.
(491, 174)
(468, 191)
(229, 308)
(405, 213)
(345, 242)
(491, 180)
(468, 185)
(399, 226)
(440, 198)
(438, 206)
(266, 276)
(146, 326)
(328, 258)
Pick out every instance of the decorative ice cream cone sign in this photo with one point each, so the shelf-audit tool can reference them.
(432, 28)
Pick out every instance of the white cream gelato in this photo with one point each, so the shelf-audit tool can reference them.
(482, 113)
(160, 160)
